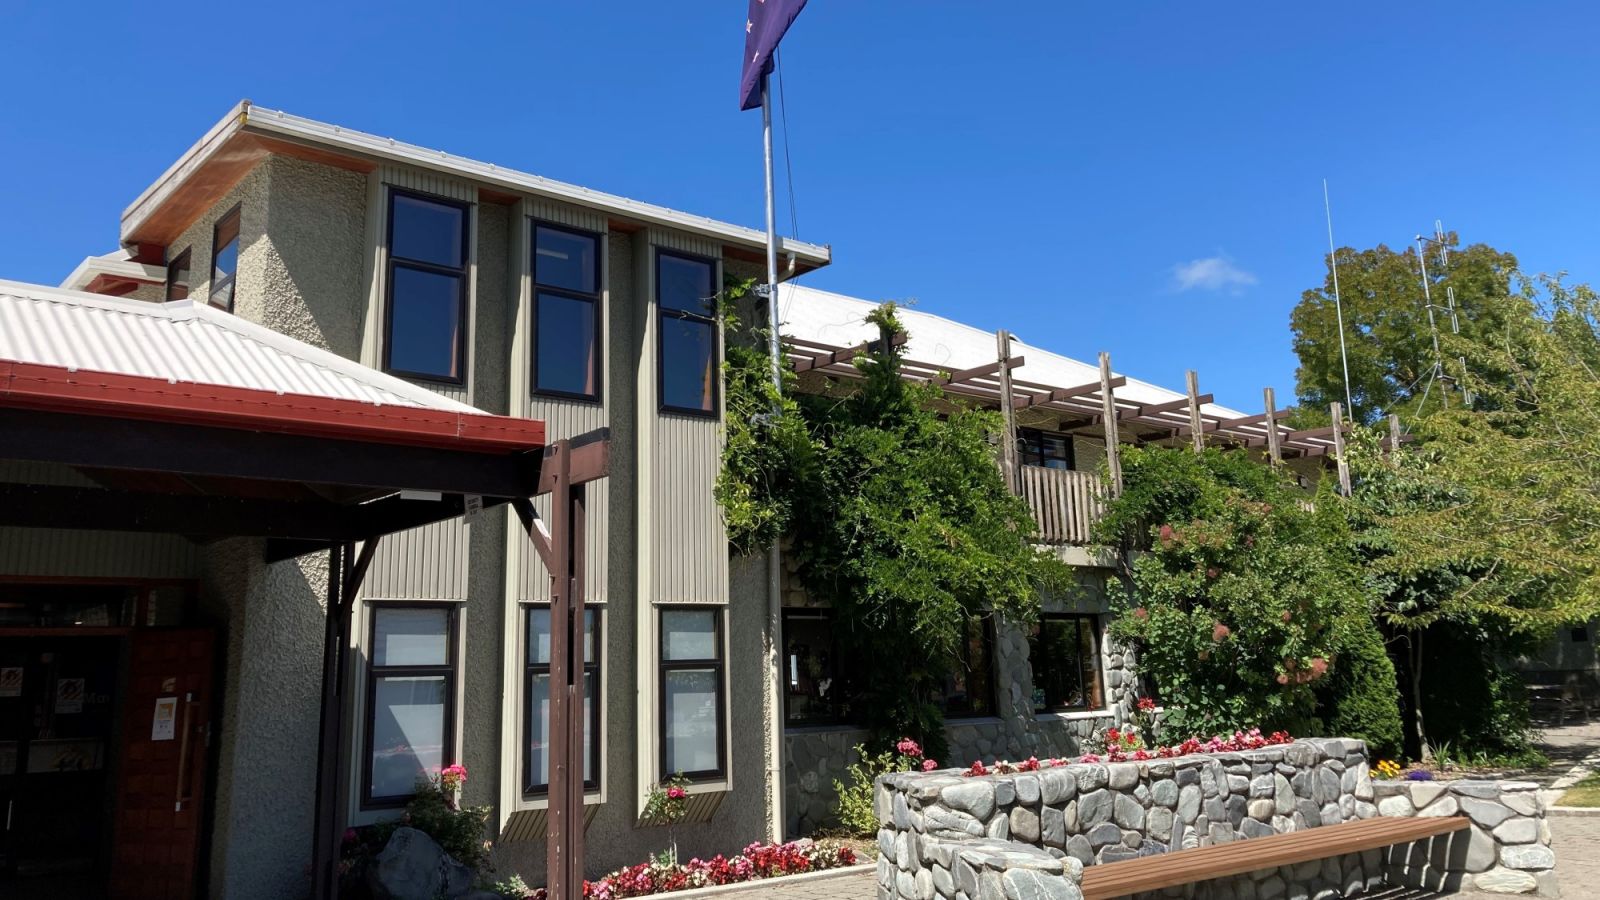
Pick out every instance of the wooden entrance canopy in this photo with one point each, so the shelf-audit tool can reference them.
(308, 474)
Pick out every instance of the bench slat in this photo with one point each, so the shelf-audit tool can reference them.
(1152, 873)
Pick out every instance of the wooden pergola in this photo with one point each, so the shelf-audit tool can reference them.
(995, 385)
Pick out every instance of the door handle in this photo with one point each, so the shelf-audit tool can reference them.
(184, 794)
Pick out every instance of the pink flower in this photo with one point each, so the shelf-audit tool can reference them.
(1140, 612)
(928, 765)
(676, 793)
(1220, 631)
(908, 747)
(1089, 758)
(1146, 704)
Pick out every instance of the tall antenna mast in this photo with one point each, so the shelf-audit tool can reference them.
(1438, 371)
(1338, 305)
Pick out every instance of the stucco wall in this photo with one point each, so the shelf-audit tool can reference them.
(270, 621)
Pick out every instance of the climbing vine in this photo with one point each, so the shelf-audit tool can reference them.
(894, 509)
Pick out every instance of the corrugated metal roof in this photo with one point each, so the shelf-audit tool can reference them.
(838, 320)
(184, 341)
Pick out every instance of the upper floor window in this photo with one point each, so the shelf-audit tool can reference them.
(427, 287)
(969, 688)
(1064, 651)
(178, 276)
(692, 693)
(566, 312)
(813, 669)
(1044, 449)
(410, 700)
(536, 689)
(685, 298)
(224, 259)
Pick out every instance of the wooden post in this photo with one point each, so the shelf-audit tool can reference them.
(1274, 451)
(562, 828)
(1338, 448)
(1196, 432)
(1108, 409)
(1008, 413)
(1394, 432)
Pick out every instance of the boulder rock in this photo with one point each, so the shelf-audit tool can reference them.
(1398, 805)
(1053, 827)
(1487, 813)
(975, 798)
(1164, 793)
(412, 866)
(1128, 813)
(1095, 808)
(1528, 856)
(1027, 789)
(1024, 825)
(1189, 802)
(1122, 776)
(1057, 785)
(1520, 830)
(1505, 881)
(1443, 806)
(1026, 884)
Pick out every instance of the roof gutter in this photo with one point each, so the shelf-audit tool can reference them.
(58, 389)
(276, 123)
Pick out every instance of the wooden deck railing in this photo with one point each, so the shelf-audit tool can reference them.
(1066, 504)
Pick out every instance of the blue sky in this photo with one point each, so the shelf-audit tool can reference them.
(1140, 180)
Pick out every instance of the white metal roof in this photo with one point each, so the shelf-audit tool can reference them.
(247, 116)
(184, 341)
(117, 264)
(829, 318)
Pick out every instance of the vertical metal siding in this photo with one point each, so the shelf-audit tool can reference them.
(428, 182)
(96, 554)
(20, 471)
(427, 563)
(566, 419)
(688, 545)
(562, 214)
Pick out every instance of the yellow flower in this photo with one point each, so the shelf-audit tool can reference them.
(1388, 768)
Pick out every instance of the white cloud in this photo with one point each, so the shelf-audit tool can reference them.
(1213, 273)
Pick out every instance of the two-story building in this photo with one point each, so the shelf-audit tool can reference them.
(470, 286)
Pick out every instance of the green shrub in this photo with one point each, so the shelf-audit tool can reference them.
(854, 807)
(1361, 698)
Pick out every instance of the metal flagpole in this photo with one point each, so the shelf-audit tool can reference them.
(775, 825)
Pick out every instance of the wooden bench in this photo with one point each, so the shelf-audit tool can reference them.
(1164, 870)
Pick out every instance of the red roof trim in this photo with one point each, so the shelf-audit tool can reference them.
(57, 389)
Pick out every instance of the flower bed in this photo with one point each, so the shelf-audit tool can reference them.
(1118, 751)
(756, 862)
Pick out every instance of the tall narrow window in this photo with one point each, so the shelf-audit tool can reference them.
(178, 276)
(410, 700)
(566, 312)
(536, 712)
(1044, 449)
(1065, 654)
(686, 298)
(224, 259)
(427, 285)
(692, 693)
(969, 689)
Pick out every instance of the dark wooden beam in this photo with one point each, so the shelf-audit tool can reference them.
(1139, 412)
(1058, 394)
(109, 442)
(976, 371)
(209, 517)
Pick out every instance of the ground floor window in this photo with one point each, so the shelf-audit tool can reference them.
(969, 688)
(693, 693)
(1065, 653)
(813, 669)
(410, 699)
(536, 703)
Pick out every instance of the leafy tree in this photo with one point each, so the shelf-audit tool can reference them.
(897, 513)
(1389, 343)
(1238, 605)
(1520, 522)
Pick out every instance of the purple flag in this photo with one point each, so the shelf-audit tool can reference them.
(763, 29)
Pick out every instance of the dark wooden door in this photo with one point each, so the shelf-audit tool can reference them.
(156, 848)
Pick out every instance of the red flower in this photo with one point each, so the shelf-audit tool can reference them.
(1140, 612)
(1166, 535)
(1286, 616)
(1147, 705)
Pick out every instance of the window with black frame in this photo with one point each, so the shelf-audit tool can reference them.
(686, 308)
(427, 288)
(566, 312)
(536, 701)
(224, 259)
(692, 693)
(969, 687)
(1044, 449)
(814, 683)
(410, 700)
(178, 276)
(1064, 651)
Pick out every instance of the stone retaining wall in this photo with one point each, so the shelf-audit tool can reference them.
(1507, 850)
(1030, 834)
(1055, 821)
